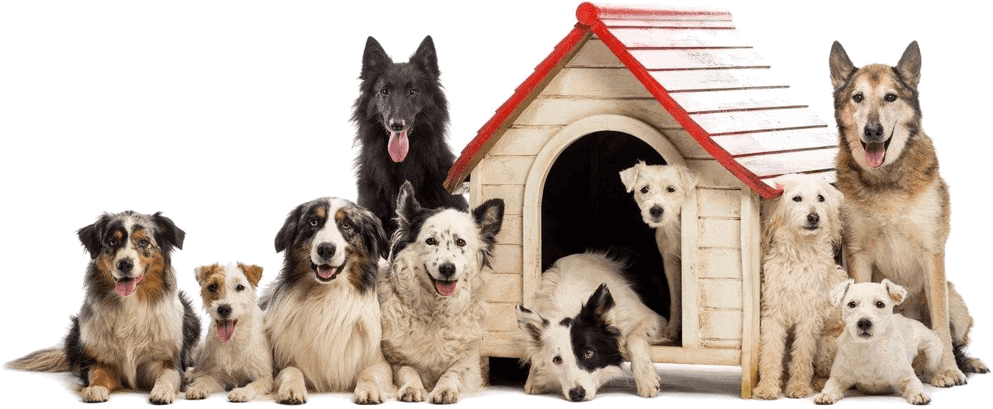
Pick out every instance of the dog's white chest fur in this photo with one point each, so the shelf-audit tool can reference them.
(243, 359)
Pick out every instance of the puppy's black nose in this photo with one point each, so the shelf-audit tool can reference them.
(396, 126)
(125, 265)
(577, 394)
(655, 211)
(326, 250)
(813, 218)
(447, 270)
(864, 324)
(873, 131)
(224, 311)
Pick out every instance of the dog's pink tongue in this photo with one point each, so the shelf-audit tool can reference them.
(445, 288)
(225, 330)
(326, 272)
(125, 289)
(398, 146)
(875, 153)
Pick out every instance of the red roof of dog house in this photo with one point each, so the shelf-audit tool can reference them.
(705, 75)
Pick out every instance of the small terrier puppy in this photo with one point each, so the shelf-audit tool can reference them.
(660, 191)
(876, 351)
(239, 356)
(800, 230)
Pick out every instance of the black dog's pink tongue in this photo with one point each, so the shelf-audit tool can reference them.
(398, 146)
(445, 288)
(126, 288)
(875, 154)
(326, 272)
(225, 330)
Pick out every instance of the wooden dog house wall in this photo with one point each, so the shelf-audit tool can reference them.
(686, 84)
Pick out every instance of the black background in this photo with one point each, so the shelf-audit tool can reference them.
(226, 118)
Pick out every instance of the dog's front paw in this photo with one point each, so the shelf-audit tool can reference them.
(96, 393)
(196, 393)
(974, 365)
(239, 395)
(766, 391)
(919, 399)
(366, 394)
(411, 393)
(649, 388)
(443, 394)
(948, 377)
(798, 391)
(291, 394)
(825, 399)
(162, 395)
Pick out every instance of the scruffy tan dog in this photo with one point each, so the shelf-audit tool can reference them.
(660, 191)
(799, 233)
(431, 297)
(877, 348)
(238, 357)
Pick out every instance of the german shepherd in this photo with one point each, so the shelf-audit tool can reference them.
(896, 208)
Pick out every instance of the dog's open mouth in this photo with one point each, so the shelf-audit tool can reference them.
(444, 288)
(399, 145)
(225, 329)
(126, 286)
(327, 273)
(875, 152)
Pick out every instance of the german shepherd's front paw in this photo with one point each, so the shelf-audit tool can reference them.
(973, 365)
(95, 394)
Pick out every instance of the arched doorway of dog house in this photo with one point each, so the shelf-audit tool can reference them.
(585, 207)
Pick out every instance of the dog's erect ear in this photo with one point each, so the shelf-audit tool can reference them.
(841, 66)
(909, 65)
(489, 217)
(91, 236)
(252, 272)
(426, 58)
(373, 235)
(203, 272)
(374, 58)
(166, 233)
(897, 293)
(839, 290)
(629, 176)
(288, 233)
(599, 303)
(532, 323)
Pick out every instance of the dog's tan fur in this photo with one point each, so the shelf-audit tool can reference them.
(564, 288)
(896, 215)
(243, 363)
(799, 232)
(326, 335)
(433, 341)
(651, 187)
(877, 348)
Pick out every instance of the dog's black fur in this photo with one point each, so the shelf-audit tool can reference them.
(409, 98)
(589, 331)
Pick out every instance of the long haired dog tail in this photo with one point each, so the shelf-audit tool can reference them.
(45, 360)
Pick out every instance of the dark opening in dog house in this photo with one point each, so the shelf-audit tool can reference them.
(585, 207)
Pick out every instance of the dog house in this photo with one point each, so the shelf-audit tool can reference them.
(676, 86)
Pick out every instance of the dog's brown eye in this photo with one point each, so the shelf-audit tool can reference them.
(851, 304)
(797, 199)
(820, 198)
(413, 91)
(890, 97)
(644, 189)
(588, 354)
(212, 288)
(857, 98)
(557, 360)
(880, 304)
(460, 242)
(431, 241)
(385, 91)
(143, 242)
(671, 189)
(239, 288)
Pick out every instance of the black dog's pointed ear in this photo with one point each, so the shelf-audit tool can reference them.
(531, 322)
(407, 205)
(841, 66)
(599, 303)
(909, 65)
(167, 234)
(426, 58)
(489, 217)
(92, 236)
(286, 234)
(374, 58)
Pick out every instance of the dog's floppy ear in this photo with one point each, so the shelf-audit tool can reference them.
(531, 322)
(167, 234)
(92, 236)
(629, 176)
(489, 217)
(203, 272)
(287, 233)
(374, 58)
(909, 66)
(687, 178)
(426, 58)
(897, 293)
(841, 66)
(839, 290)
(772, 216)
(373, 234)
(252, 272)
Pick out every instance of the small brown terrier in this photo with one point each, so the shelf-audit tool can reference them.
(879, 351)
(239, 357)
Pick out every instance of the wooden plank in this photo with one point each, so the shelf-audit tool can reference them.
(501, 317)
(758, 120)
(738, 99)
(506, 259)
(504, 170)
(695, 356)
(523, 141)
(512, 195)
(596, 83)
(719, 203)
(751, 288)
(722, 233)
(829, 175)
(777, 141)
(614, 24)
(722, 344)
(594, 54)
(692, 59)
(646, 37)
(689, 255)
(504, 288)
(720, 293)
(719, 263)
(717, 79)
(687, 146)
(556, 111)
(510, 231)
(721, 324)
(504, 344)
(711, 174)
(791, 162)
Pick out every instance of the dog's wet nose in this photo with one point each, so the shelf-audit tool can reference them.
(447, 270)
(656, 211)
(396, 126)
(813, 218)
(873, 131)
(224, 311)
(577, 394)
(326, 250)
(125, 265)
(864, 324)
